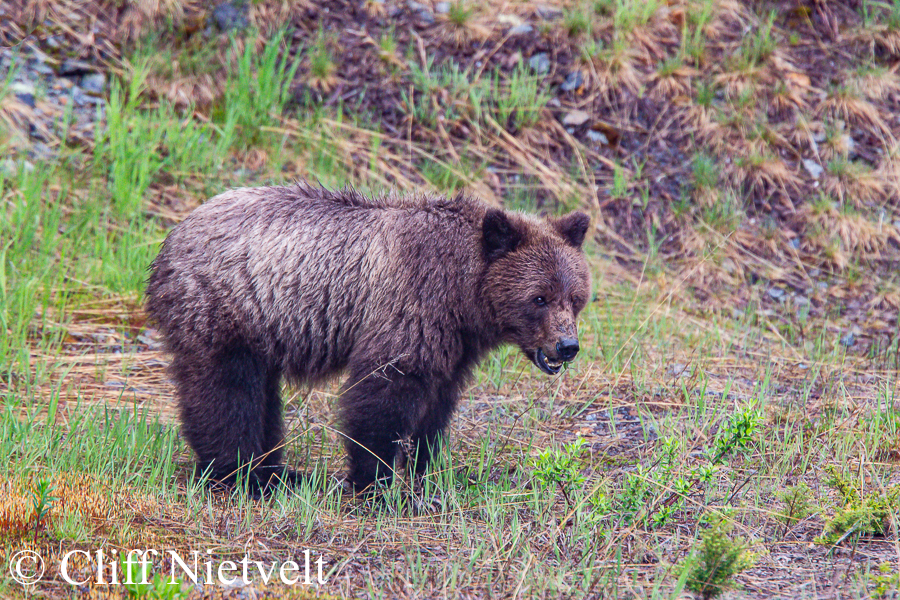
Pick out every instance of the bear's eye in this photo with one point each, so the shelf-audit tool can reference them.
(540, 301)
(576, 301)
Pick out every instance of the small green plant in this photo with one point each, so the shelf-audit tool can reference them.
(519, 104)
(706, 171)
(693, 38)
(630, 14)
(460, 13)
(738, 432)
(604, 8)
(561, 467)
(577, 21)
(321, 62)
(887, 582)
(620, 184)
(42, 500)
(759, 46)
(138, 584)
(860, 515)
(794, 504)
(721, 557)
(893, 17)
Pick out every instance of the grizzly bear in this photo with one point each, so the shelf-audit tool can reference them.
(404, 294)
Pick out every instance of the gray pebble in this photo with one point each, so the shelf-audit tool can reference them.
(228, 17)
(26, 99)
(522, 29)
(94, 84)
(679, 370)
(775, 292)
(574, 80)
(442, 8)
(40, 151)
(597, 137)
(72, 68)
(22, 87)
(848, 340)
(548, 13)
(813, 168)
(540, 63)
(9, 168)
(422, 12)
(576, 118)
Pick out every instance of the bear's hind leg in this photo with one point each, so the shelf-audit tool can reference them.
(230, 412)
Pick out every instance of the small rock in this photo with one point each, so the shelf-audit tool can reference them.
(576, 118)
(26, 99)
(679, 370)
(813, 168)
(597, 137)
(548, 13)
(54, 42)
(21, 87)
(37, 133)
(818, 132)
(228, 17)
(74, 68)
(554, 103)
(9, 168)
(40, 151)
(795, 243)
(775, 293)
(848, 340)
(442, 8)
(94, 84)
(522, 29)
(540, 63)
(422, 12)
(79, 97)
(43, 69)
(574, 80)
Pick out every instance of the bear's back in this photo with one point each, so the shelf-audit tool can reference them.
(308, 275)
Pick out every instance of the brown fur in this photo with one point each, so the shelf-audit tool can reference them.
(406, 295)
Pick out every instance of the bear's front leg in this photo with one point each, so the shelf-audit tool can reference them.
(428, 434)
(378, 411)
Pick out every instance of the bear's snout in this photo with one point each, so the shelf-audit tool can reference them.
(567, 348)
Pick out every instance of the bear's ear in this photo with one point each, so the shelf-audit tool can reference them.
(573, 227)
(500, 235)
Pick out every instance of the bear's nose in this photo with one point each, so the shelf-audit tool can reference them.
(567, 348)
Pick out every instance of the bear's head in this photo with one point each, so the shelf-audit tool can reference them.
(536, 282)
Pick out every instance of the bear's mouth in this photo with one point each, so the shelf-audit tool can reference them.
(547, 365)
